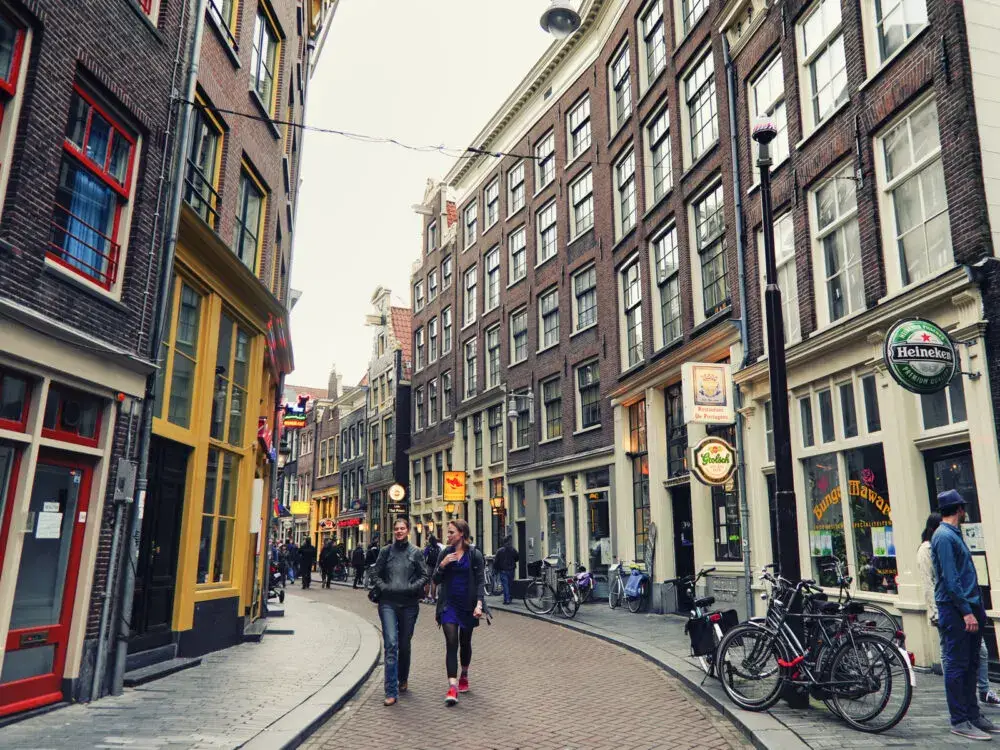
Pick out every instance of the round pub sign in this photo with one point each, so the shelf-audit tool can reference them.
(920, 356)
(397, 492)
(714, 461)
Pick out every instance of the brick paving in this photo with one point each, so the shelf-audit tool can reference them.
(234, 695)
(533, 686)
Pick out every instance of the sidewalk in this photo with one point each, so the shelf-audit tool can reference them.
(661, 639)
(255, 695)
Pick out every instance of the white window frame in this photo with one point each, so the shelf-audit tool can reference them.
(491, 198)
(470, 289)
(446, 389)
(825, 48)
(619, 87)
(447, 324)
(580, 426)
(447, 272)
(470, 226)
(784, 256)
(543, 297)
(516, 317)
(913, 15)
(578, 124)
(432, 285)
(842, 226)
(577, 293)
(693, 101)
(546, 435)
(545, 160)
(517, 243)
(432, 340)
(766, 99)
(470, 381)
(432, 239)
(420, 412)
(666, 283)
(493, 337)
(656, 137)
(516, 188)
(697, 281)
(651, 30)
(635, 305)
(419, 352)
(581, 197)
(626, 195)
(491, 267)
(543, 230)
(689, 13)
(418, 295)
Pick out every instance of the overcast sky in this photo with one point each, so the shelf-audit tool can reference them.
(420, 71)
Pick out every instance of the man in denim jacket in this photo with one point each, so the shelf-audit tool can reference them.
(960, 619)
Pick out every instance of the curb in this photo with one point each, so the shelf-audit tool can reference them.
(296, 726)
(762, 729)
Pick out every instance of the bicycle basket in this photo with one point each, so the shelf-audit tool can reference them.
(535, 568)
(700, 632)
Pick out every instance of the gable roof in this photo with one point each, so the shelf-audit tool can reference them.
(402, 329)
(292, 392)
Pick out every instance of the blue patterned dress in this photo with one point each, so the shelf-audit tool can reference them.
(457, 576)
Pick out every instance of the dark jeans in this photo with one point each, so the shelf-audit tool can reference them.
(306, 576)
(398, 622)
(960, 660)
(359, 573)
(506, 580)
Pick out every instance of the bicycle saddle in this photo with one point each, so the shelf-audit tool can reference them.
(552, 560)
(705, 601)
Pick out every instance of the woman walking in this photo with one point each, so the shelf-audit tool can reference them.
(400, 577)
(461, 580)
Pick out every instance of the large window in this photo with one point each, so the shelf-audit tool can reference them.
(470, 295)
(896, 21)
(495, 421)
(702, 112)
(547, 233)
(625, 187)
(519, 336)
(445, 394)
(551, 409)
(588, 389)
(95, 185)
(654, 41)
(200, 184)
(493, 357)
(229, 400)
(179, 354)
(471, 224)
(470, 368)
(249, 218)
(222, 12)
(545, 160)
(492, 203)
(264, 60)
(640, 475)
(767, 100)
(432, 402)
(784, 255)
(432, 340)
(492, 279)
(677, 436)
(660, 170)
(518, 255)
(515, 188)
(710, 238)
(667, 264)
(619, 77)
(585, 298)
(838, 246)
(418, 346)
(446, 272)
(632, 307)
(582, 197)
(446, 328)
(522, 425)
(218, 517)
(824, 67)
(548, 318)
(578, 128)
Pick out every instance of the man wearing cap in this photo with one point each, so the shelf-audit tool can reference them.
(960, 619)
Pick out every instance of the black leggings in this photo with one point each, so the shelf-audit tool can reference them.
(455, 638)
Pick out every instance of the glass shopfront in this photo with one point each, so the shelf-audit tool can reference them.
(598, 519)
(555, 517)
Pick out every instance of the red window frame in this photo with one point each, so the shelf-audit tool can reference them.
(10, 86)
(68, 437)
(22, 424)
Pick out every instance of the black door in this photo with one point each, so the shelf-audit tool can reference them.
(522, 547)
(683, 538)
(157, 566)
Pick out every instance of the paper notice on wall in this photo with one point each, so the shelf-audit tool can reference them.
(827, 543)
(973, 533)
(890, 543)
(878, 541)
(49, 526)
(982, 572)
(50, 506)
(605, 550)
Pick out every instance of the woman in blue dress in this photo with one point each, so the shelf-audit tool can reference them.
(460, 576)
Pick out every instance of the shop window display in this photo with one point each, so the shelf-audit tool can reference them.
(871, 515)
(826, 514)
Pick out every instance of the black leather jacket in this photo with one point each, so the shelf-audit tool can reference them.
(400, 574)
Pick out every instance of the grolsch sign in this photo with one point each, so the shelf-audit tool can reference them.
(920, 356)
(713, 461)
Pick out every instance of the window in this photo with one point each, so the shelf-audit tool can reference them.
(470, 368)
(470, 295)
(439, 466)
(625, 187)
(418, 296)
(545, 160)
(677, 436)
(493, 357)
(913, 188)
(944, 407)
(202, 166)
(70, 415)
(551, 409)
(640, 475)
(515, 188)
(492, 279)
(15, 395)
(263, 63)
(417, 485)
(428, 477)
(821, 56)
(477, 438)
(710, 238)
(432, 402)
(446, 330)
(835, 212)
(585, 298)
(375, 455)
(218, 518)
(667, 265)
(471, 224)
(495, 421)
(848, 409)
(232, 367)
(222, 12)
(578, 135)
(95, 185)
(699, 98)
(654, 41)
(432, 236)
(446, 272)
(588, 385)
(767, 99)
(432, 340)
(769, 431)
(897, 21)
(519, 336)
(493, 202)
(873, 419)
(547, 233)
(522, 425)
(445, 394)
(806, 414)
(548, 318)
(621, 88)
(827, 432)
(632, 307)
(582, 197)
(784, 255)
(660, 171)
(421, 414)
(418, 347)
(691, 11)
(518, 255)
(249, 217)
(178, 356)
(432, 285)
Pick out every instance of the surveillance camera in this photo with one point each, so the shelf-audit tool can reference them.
(765, 130)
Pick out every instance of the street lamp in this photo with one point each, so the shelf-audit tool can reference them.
(560, 19)
(512, 411)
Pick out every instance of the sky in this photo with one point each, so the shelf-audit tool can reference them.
(425, 72)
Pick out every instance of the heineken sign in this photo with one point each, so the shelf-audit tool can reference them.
(713, 461)
(920, 356)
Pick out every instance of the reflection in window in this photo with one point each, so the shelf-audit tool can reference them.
(871, 516)
(826, 515)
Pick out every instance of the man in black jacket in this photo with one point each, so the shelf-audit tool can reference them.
(504, 564)
(358, 563)
(307, 558)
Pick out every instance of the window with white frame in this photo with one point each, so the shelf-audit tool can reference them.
(666, 261)
(784, 256)
(471, 223)
(515, 188)
(418, 295)
(446, 330)
(518, 266)
(418, 401)
(551, 409)
(470, 368)
(581, 195)
(522, 425)
(625, 205)
(824, 67)
(588, 395)
(585, 298)
(710, 244)
(446, 272)
(691, 13)
(837, 247)
(445, 394)
(519, 335)
(470, 295)
(767, 100)
(548, 318)
(493, 357)
(493, 203)
(418, 346)
(897, 21)
(945, 407)
(432, 402)
(912, 188)
(545, 160)
(547, 233)
(619, 75)
(702, 112)
(632, 313)
(654, 42)
(432, 285)
(578, 128)
(432, 340)
(494, 420)
(432, 236)
(659, 172)
(492, 264)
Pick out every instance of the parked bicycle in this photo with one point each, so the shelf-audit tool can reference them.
(874, 617)
(620, 593)
(584, 583)
(368, 579)
(492, 578)
(543, 598)
(704, 628)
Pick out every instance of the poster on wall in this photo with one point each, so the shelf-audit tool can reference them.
(973, 533)
(708, 393)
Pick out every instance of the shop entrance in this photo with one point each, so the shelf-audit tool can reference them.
(522, 547)
(680, 496)
(46, 583)
(155, 580)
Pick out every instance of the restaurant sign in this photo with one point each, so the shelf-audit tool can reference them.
(454, 486)
(920, 356)
(713, 461)
(708, 393)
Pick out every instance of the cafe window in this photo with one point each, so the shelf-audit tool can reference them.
(179, 355)
(726, 520)
(555, 510)
(218, 520)
(640, 475)
(677, 438)
(945, 407)
(72, 416)
(232, 365)
(598, 519)
(15, 394)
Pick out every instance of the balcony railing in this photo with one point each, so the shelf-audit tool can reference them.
(74, 244)
(201, 195)
(215, 11)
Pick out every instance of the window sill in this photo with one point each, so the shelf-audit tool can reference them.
(547, 348)
(550, 440)
(550, 258)
(515, 282)
(695, 166)
(685, 35)
(255, 97)
(150, 23)
(632, 369)
(713, 320)
(887, 63)
(624, 239)
(467, 324)
(821, 126)
(578, 331)
(651, 84)
(658, 201)
(519, 449)
(519, 362)
(892, 292)
(515, 213)
(229, 47)
(574, 236)
(620, 127)
(585, 430)
(571, 160)
(542, 188)
(488, 310)
(111, 298)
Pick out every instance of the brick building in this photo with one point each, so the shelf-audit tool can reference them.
(352, 520)
(325, 498)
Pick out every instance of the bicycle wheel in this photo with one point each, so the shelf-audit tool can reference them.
(616, 593)
(878, 620)
(746, 664)
(636, 603)
(568, 604)
(539, 598)
(872, 689)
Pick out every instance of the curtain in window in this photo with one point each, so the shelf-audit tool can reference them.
(84, 220)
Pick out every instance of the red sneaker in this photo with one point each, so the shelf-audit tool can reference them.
(452, 697)
(463, 684)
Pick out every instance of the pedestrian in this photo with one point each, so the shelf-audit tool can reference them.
(292, 557)
(461, 578)
(400, 576)
(372, 554)
(505, 563)
(307, 558)
(326, 563)
(961, 618)
(431, 552)
(358, 563)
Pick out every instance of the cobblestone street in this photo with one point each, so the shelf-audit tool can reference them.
(534, 686)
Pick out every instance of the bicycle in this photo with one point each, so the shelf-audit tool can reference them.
(492, 578)
(618, 580)
(541, 597)
(877, 618)
(705, 629)
(368, 578)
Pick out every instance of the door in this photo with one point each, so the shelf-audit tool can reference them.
(46, 584)
(159, 546)
(522, 547)
(683, 538)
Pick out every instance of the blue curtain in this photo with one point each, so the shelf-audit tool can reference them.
(91, 206)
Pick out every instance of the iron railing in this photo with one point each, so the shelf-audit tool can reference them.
(104, 268)
(201, 195)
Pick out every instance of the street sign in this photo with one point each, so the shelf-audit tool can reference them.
(713, 461)
(454, 486)
(396, 509)
(920, 356)
(708, 393)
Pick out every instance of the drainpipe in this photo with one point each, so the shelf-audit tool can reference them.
(741, 267)
(159, 321)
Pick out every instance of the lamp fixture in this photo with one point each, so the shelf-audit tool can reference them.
(560, 19)
(449, 508)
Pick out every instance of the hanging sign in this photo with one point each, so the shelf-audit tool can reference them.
(348, 522)
(300, 507)
(397, 492)
(708, 393)
(295, 414)
(396, 509)
(454, 486)
(713, 461)
(920, 356)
